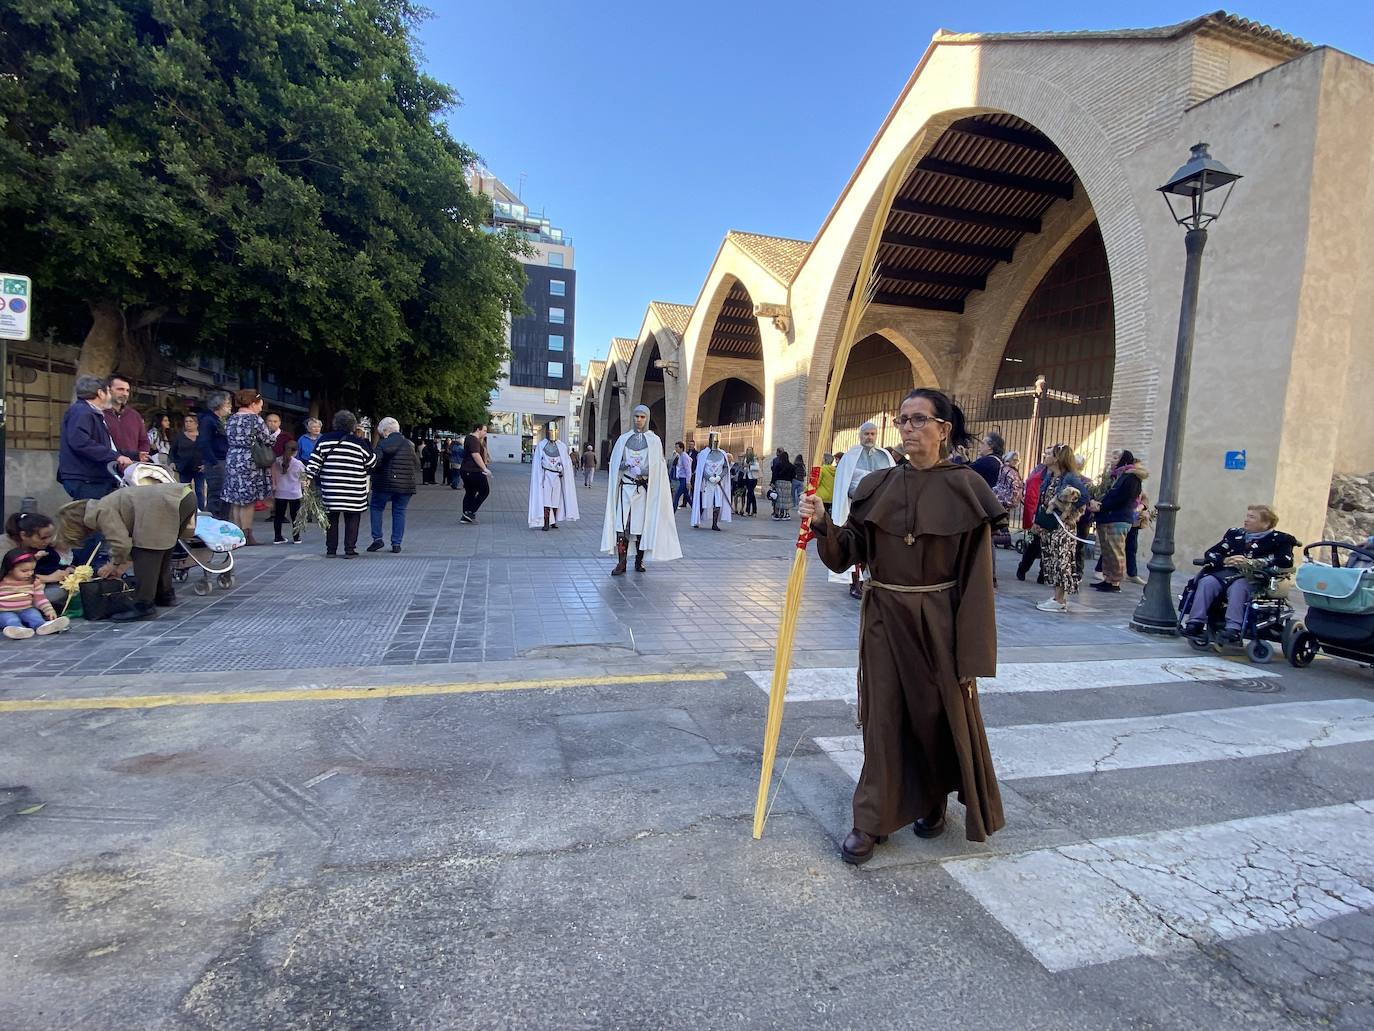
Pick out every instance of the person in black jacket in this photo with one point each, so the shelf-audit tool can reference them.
(214, 449)
(1244, 551)
(393, 480)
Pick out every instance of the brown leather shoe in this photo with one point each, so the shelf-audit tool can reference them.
(933, 825)
(857, 848)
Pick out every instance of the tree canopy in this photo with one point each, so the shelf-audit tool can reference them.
(268, 180)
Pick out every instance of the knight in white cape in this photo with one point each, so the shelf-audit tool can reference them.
(860, 460)
(638, 506)
(553, 482)
(711, 489)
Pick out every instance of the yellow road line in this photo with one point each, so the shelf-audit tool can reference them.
(343, 694)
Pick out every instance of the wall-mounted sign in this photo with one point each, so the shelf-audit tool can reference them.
(16, 304)
(1235, 460)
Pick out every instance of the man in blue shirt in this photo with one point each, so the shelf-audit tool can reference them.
(85, 449)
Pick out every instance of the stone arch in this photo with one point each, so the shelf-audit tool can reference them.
(609, 407)
(1104, 187)
(586, 416)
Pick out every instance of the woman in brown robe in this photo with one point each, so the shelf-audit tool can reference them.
(924, 530)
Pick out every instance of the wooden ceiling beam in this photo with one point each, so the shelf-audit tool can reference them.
(923, 276)
(916, 301)
(991, 176)
(990, 219)
(1006, 134)
(934, 243)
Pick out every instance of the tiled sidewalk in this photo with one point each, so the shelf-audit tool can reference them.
(499, 591)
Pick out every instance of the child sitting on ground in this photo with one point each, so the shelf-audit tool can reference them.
(24, 609)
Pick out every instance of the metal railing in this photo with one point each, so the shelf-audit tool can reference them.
(734, 437)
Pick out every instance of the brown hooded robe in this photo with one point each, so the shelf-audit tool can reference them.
(923, 733)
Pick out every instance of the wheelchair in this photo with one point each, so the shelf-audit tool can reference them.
(1269, 617)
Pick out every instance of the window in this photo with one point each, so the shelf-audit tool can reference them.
(556, 259)
(555, 370)
(555, 342)
(558, 287)
(551, 397)
(556, 316)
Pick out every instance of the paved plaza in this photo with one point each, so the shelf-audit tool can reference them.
(481, 784)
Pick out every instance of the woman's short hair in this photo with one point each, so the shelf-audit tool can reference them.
(246, 397)
(1270, 517)
(345, 421)
(995, 442)
(388, 425)
(1012, 459)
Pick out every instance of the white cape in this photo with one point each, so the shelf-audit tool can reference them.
(839, 504)
(699, 497)
(567, 512)
(660, 541)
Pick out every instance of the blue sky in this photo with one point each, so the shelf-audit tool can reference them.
(647, 130)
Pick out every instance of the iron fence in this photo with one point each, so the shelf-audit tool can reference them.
(735, 437)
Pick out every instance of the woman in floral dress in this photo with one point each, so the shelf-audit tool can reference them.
(245, 482)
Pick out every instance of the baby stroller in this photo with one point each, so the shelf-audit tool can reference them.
(211, 551)
(1340, 605)
(1267, 617)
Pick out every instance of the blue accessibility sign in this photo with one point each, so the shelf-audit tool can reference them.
(1235, 460)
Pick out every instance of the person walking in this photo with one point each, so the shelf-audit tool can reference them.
(214, 449)
(85, 448)
(1063, 501)
(393, 483)
(246, 482)
(475, 471)
(339, 466)
(588, 465)
(286, 492)
(187, 459)
(923, 530)
(681, 476)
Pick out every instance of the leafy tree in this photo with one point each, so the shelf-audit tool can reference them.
(265, 179)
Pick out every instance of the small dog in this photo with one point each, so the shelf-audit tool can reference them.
(1065, 502)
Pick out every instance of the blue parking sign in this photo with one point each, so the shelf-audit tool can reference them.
(1235, 460)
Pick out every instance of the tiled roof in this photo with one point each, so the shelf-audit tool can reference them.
(1229, 24)
(596, 368)
(673, 316)
(778, 254)
(622, 348)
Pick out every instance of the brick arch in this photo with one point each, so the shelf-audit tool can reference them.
(730, 267)
(1102, 181)
(606, 401)
(656, 339)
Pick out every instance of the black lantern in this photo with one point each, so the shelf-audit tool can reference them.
(1187, 190)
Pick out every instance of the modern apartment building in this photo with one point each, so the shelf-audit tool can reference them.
(536, 383)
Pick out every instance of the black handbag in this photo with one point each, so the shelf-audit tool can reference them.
(101, 599)
(262, 455)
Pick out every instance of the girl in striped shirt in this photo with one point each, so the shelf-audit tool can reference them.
(24, 609)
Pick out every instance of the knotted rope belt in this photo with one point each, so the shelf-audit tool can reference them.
(869, 586)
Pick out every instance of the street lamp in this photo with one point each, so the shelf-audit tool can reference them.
(1196, 195)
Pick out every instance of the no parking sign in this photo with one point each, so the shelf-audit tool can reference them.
(15, 306)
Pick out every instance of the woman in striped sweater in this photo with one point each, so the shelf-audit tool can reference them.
(339, 466)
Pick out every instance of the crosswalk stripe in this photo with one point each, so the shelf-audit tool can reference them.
(1116, 898)
(1095, 746)
(837, 684)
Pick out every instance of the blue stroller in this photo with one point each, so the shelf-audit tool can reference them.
(1340, 605)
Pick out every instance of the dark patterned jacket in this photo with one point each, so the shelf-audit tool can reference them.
(1273, 547)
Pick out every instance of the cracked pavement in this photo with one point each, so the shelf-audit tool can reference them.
(582, 858)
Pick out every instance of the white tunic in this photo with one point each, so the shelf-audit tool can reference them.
(551, 475)
(633, 498)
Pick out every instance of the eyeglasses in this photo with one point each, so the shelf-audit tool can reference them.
(917, 422)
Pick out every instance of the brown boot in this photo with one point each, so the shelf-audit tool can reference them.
(639, 556)
(715, 519)
(546, 520)
(622, 551)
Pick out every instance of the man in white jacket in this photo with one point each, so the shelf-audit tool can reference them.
(638, 506)
(553, 482)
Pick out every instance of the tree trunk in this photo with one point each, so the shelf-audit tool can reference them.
(101, 346)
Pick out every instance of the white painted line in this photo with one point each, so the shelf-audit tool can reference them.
(1117, 898)
(1172, 739)
(837, 684)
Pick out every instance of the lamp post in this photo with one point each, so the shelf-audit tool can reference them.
(1187, 194)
